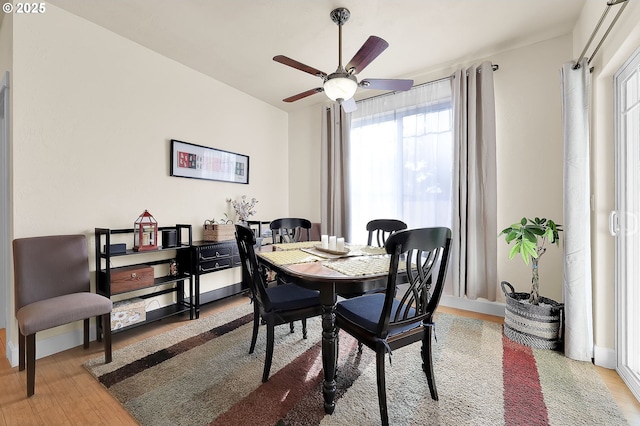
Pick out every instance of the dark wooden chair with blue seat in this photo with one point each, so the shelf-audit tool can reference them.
(379, 231)
(52, 288)
(383, 322)
(274, 305)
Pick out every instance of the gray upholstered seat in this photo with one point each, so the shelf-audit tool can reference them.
(52, 288)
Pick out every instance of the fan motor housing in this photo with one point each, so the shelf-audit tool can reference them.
(340, 15)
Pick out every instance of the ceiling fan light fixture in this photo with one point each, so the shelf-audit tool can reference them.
(340, 87)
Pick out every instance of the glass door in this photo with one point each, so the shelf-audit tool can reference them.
(626, 226)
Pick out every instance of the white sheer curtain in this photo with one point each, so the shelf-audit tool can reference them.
(577, 241)
(335, 156)
(400, 159)
(475, 227)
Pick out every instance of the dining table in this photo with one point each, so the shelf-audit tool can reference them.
(354, 271)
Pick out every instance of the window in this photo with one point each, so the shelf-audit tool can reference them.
(401, 159)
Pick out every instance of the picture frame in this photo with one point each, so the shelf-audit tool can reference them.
(189, 160)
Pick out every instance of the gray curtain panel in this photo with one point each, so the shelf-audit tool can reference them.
(475, 228)
(336, 127)
(577, 221)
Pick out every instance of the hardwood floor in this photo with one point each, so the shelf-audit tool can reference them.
(66, 394)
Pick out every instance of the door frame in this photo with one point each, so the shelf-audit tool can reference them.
(5, 183)
(620, 230)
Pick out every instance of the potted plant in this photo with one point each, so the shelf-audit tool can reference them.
(531, 319)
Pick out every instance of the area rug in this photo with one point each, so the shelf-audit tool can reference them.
(201, 373)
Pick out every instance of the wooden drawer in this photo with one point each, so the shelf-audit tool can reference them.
(215, 265)
(209, 253)
(130, 278)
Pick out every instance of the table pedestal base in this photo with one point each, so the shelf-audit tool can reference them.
(329, 356)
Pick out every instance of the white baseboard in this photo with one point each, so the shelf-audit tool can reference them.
(52, 345)
(604, 357)
(480, 305)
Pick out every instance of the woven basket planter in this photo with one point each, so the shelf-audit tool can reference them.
(537, 326)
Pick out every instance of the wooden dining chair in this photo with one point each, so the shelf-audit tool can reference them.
(382, 229)
(52, 288)
(290, 230)
(273, 305)
(379, 231)
(383, 322)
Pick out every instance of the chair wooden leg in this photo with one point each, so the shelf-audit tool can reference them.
(427, 363)
(269, 354)
(291, 327)
(382, 390)
(304, 328)
(31, 364)
(99, 329)
(21, 351)
(256, 325)
(85, 343)
(106, 330)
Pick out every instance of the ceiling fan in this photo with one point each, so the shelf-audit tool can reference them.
(342, 84)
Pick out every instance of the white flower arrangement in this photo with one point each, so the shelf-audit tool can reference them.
(243, 208)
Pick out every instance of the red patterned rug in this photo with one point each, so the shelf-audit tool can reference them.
(202, 373)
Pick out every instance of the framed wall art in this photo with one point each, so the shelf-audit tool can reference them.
(201, 162)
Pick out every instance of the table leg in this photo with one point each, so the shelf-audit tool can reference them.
(329, 356)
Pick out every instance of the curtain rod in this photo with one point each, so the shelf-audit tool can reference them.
(595, 30)
(494, 67)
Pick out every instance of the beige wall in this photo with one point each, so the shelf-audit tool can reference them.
(93, 114)
(304, 164)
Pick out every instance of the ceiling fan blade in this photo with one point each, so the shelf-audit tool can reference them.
(304, 94)
(299, 66)
(370, 50)
(386, 84)
(349, 105)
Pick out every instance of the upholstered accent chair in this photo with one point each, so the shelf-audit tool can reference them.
(52, 288)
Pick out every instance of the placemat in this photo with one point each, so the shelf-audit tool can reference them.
(362, 265)
(361, 250)
(289, 257)
(296, 246)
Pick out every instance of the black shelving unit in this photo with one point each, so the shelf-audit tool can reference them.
(170, 284)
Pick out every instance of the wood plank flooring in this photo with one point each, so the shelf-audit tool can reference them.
(66, 394)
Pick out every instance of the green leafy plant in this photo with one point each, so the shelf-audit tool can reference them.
(530, 237)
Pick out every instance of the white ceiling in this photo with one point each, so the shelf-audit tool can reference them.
(234, 41)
